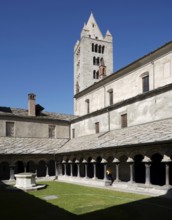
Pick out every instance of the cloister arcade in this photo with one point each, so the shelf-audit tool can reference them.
(154, 168)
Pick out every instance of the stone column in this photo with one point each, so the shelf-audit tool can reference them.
(104, 162)
(94, 168)
(12, 167)
(64, 163)
(56, 170)
(85, 165)
(147, 173)
(78, 168)
(166, 160)
(116, 162)
(131, 163)
(47, 175)
(147, 161)
(71, 170)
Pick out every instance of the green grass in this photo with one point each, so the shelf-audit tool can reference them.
(80, 203)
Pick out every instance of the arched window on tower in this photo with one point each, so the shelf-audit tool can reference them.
(96, 48)
(97, 74)
(92, 47)
(94, 61)
(98, 61)
(94, 74)
(103, 48)
(100, 48)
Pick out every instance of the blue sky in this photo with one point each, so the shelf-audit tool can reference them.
(37, 39)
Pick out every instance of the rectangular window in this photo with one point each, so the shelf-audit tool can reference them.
(145, 81)
(73, 133)
(10, 129)
(51, 131)
(97, 129)
(124, 121)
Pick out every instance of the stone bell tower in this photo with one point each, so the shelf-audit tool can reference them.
(93, 56)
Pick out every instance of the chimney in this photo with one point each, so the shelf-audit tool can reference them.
(31, 104)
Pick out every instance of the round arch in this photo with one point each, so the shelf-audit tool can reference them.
(139, 169)
(157, 170)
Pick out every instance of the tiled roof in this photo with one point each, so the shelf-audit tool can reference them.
(10, 145)
(154, 132)
(44, 115)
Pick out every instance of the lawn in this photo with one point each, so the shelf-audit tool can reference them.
(76, 202)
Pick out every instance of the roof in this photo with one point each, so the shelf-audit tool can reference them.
(43, 115)
(154, 132)
(11, 145)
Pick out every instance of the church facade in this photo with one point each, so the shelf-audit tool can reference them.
(121, 120)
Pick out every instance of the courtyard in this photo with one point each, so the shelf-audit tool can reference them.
(75, 202)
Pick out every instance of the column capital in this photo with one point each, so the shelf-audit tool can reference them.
(93, 161)
(103, 161)
(116, 161)
(166, 159)
(146, 160)
(130, 160)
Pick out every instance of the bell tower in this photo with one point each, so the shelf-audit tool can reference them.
(93, 56)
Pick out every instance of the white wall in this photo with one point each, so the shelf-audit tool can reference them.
(151, 109)
(128, 85)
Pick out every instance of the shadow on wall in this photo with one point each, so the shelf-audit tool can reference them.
(18, 205)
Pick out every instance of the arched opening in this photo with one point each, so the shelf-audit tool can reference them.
(19, 168)
(96, 48)
(92, 47)
(68, 169)
(82, 168)
(139, 169)
(31, 167)
(51, 168)
(75, 170)
(99, 168)
(100, 48)
(94, 61)
(90, 169)
(157, 170)
(103, 48)
(98, 61)
(4, 171)
(94, 74)
(41, 171)
(112, 166)
(97, 74)
(124, 169)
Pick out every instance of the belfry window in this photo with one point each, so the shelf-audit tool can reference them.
(92, 47)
